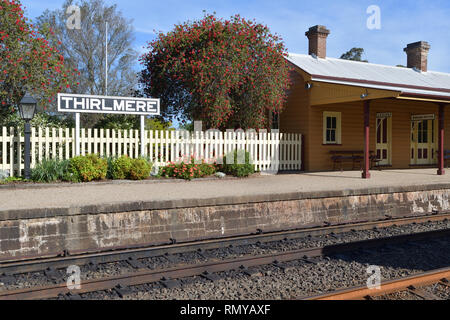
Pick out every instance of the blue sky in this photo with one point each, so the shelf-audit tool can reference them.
(402, 22)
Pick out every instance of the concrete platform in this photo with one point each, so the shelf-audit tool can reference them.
(47, 220)
(104, 194)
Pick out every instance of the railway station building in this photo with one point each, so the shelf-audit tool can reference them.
(367, 116)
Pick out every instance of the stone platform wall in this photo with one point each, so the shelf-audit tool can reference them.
(51, 231)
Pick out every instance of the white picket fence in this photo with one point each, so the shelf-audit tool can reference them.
(269, 151)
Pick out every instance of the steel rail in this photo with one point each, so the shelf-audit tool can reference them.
(35, 265)
(389, 287)
(213, 266)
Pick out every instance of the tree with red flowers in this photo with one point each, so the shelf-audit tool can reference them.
(227, 73)
(27, 61)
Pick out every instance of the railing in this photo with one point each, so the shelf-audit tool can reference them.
(268, 150)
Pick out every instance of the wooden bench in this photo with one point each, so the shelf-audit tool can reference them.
(446, 156)
(356, 157)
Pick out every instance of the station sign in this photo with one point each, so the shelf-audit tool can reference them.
(421, 117)
(384, 115)
(80, 103)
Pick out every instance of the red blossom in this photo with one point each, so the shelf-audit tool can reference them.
(26, 58)
(228, 73)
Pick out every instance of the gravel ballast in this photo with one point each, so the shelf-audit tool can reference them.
(295, 279)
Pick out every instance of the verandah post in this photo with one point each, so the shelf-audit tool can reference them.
(366, 172)
(441, 170)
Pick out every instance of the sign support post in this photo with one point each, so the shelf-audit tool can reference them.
(77, 134)
(143, 142)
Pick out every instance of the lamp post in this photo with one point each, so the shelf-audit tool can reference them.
(27, 108)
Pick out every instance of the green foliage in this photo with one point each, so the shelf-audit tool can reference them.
(12, 180)
(226, 73)
(188, 126)
(130, 122)
(355, 54)
(87, 168)
(40, 120)
(238, 164)
(110, 161)
(188, 170)
(157, 124)
(140, 169)
(51, 171)
(120, 168)
(127, 168)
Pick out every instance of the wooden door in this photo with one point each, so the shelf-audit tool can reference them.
(383, 136)
(423, 142)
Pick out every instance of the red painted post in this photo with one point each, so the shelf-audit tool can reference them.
(441, 170)
(366, 172)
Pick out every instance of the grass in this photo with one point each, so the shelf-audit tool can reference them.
(50, 171)
(12, 180)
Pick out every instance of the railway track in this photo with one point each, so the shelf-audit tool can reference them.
(413, 285)
(169, 277)
(40, 264)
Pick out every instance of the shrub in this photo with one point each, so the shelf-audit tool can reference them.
(232, 167)
(189, 170)
(109, 161)
(50, 171)
(128, 168)
(120, 168)
(140, 169)
(12, 180)
(87, 168)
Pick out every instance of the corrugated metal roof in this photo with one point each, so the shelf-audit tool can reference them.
(363, 74)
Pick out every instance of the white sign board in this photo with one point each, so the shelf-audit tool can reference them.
(384, 115)
(79, 103)
(420, 117)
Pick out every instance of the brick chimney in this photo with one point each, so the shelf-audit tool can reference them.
(317, 36)
(417, 53)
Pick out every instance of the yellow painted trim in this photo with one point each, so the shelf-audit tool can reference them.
(423, 99)
(329, 93)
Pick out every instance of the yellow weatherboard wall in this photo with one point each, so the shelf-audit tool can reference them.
(304, 110)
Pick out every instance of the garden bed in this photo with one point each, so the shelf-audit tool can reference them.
(94, 169)
(151, 180)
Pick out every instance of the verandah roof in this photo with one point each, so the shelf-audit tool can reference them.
(408, 82)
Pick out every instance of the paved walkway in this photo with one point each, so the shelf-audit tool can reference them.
(67, 195)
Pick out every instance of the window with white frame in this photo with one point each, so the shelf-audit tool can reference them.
(331, 127)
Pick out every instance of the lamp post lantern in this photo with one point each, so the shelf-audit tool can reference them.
(27, 108)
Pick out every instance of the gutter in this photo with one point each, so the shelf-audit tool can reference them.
(378, 83)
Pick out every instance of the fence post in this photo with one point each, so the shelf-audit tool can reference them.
(4, 150)
(11, 151)
(47, 143)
